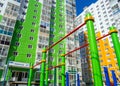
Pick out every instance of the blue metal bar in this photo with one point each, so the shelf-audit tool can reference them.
(78, 80)
(114, 78)
(107, 76)
(67, 79)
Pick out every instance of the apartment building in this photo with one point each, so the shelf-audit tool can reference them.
(115, 6)
(103, 14)
(8, 14)
(38, 27)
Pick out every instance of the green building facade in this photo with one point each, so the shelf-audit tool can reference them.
(57, 31)
(23, 48)
(24, 41)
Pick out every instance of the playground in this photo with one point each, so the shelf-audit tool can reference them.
(96, 68)
(94, 57)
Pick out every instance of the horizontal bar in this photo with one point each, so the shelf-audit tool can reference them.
(86, 44)
(55, 67)
(39, 63)
(75, 29)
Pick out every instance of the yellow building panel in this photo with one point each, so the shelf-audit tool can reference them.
(106, 55)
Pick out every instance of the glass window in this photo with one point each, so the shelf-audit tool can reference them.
(29, 46)
(29, 55)
(15, 53)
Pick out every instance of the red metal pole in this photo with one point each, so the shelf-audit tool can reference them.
(75, 29)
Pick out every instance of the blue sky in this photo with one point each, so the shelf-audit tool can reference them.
(80, 4)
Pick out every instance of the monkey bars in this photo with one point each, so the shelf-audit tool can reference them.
(93, 50)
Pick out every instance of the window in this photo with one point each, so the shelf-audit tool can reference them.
(17, 43)
(60, 26)
(20, 27)
(31, 38)
(60, 78)
(1, 4)
(29, 46)
(110, 65)
(19, 35)
(36, 5)
(32, 30)
(15, 53)
(34, 17)
(35, 11)
(29, 55)
(33, 23)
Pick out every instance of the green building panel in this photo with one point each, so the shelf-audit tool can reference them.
(1, 17)
(24, 40)
(1, 71)
(25, 37)
(57, 25)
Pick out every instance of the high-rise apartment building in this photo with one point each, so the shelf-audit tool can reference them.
(40, 24)
(8, 14)
(103, 14)
(115, 6)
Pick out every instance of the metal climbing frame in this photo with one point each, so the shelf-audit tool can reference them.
(93, 51)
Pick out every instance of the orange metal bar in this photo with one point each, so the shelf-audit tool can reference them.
(86, 44)
(75, 29)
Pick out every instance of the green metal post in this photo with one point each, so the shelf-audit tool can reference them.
(42, 75)
(116, 43)
(63, 69)
(93, 51)
(46, 75)
(30, 75)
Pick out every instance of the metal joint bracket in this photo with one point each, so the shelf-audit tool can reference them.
(89, 18)
(62, 54)
(43, 61)
(44, 51)
(62, 64)
(113, 31)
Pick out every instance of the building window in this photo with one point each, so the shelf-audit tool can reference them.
(36, 5)
(19, 35)
(60, 26)
(1, 4)
(34, 17)
(110, 65)
(15, 53)
(32, 30)
(17, 43)
(60, 78)
(29, 55)
(29, 46)
(35, 11)
(20, 27)
(33, 23)
(31, 38)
